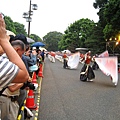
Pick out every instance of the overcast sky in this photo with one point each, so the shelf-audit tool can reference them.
(52, 15)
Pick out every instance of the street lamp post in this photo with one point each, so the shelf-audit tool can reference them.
(27, 15)
(112, 44)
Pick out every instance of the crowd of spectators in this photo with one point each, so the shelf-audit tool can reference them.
(16, 57)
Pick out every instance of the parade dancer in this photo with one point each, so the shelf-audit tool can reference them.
(65, 58)
(87, 73)
(95, 65)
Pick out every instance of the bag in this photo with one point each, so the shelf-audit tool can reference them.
(33, 68)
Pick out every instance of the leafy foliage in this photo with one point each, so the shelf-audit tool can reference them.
(83, 32)
(9, 24)
(112, 15)
(20, 28)
(36, 38)
(109, 14)
(51, 40)
(76, 34)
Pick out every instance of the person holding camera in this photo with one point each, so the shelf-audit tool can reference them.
(27, 85)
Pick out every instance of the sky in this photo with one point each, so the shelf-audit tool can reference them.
(52, 15)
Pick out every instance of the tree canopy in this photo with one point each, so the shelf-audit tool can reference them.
(77, 34)
(105, 34)
(18, 28)
(51, 40)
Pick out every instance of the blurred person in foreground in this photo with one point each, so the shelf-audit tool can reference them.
(12, 67)
(10, 94)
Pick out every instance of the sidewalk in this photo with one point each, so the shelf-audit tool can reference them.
(37, 99)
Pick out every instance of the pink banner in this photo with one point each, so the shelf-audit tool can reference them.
(104, 54)
(109, 66)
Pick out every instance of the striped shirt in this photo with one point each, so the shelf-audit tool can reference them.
(8, 71)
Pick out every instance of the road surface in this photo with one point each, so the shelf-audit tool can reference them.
(64, 97)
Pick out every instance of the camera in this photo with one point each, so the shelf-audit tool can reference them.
(28, 84)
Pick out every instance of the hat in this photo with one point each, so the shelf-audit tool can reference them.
(21, 37)
(11, 38)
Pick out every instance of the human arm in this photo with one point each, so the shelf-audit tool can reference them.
(30, 61)
(12, 55)
(15, 87)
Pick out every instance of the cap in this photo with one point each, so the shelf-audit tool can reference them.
(21, 37)
(11, 38)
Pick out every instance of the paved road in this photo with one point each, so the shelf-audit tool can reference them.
(65, 97)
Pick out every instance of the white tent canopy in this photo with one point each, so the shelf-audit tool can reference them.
(30, 40)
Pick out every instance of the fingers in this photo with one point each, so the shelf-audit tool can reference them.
(2, 23)
(3, 32)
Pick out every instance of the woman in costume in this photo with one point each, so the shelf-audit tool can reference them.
(87, 73)
(65, 58)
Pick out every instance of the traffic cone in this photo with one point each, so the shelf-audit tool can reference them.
(30, 101)
(34, 79)
(40, 74)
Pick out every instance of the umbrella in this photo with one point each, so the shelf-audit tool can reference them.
(30, 40)
(10, 33)
(38, 44)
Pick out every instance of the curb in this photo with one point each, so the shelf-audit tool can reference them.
(37, 98)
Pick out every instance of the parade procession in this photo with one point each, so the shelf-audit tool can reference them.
(59, 60)
(107, 64)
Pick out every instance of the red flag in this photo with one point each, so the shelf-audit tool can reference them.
(109, 66)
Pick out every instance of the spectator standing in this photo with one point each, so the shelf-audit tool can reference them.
(30, 61)
(23, 91)
(43, 55)
(34, 55)
(10, 95)
(39, 57)
(12, 68)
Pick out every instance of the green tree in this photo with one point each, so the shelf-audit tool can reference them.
(36, 38)
(96, 39)
(99, 35)
(76, 34)
(20, 28)
(51, 40)
(112, 15)
(9, 24)
(109, 13)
